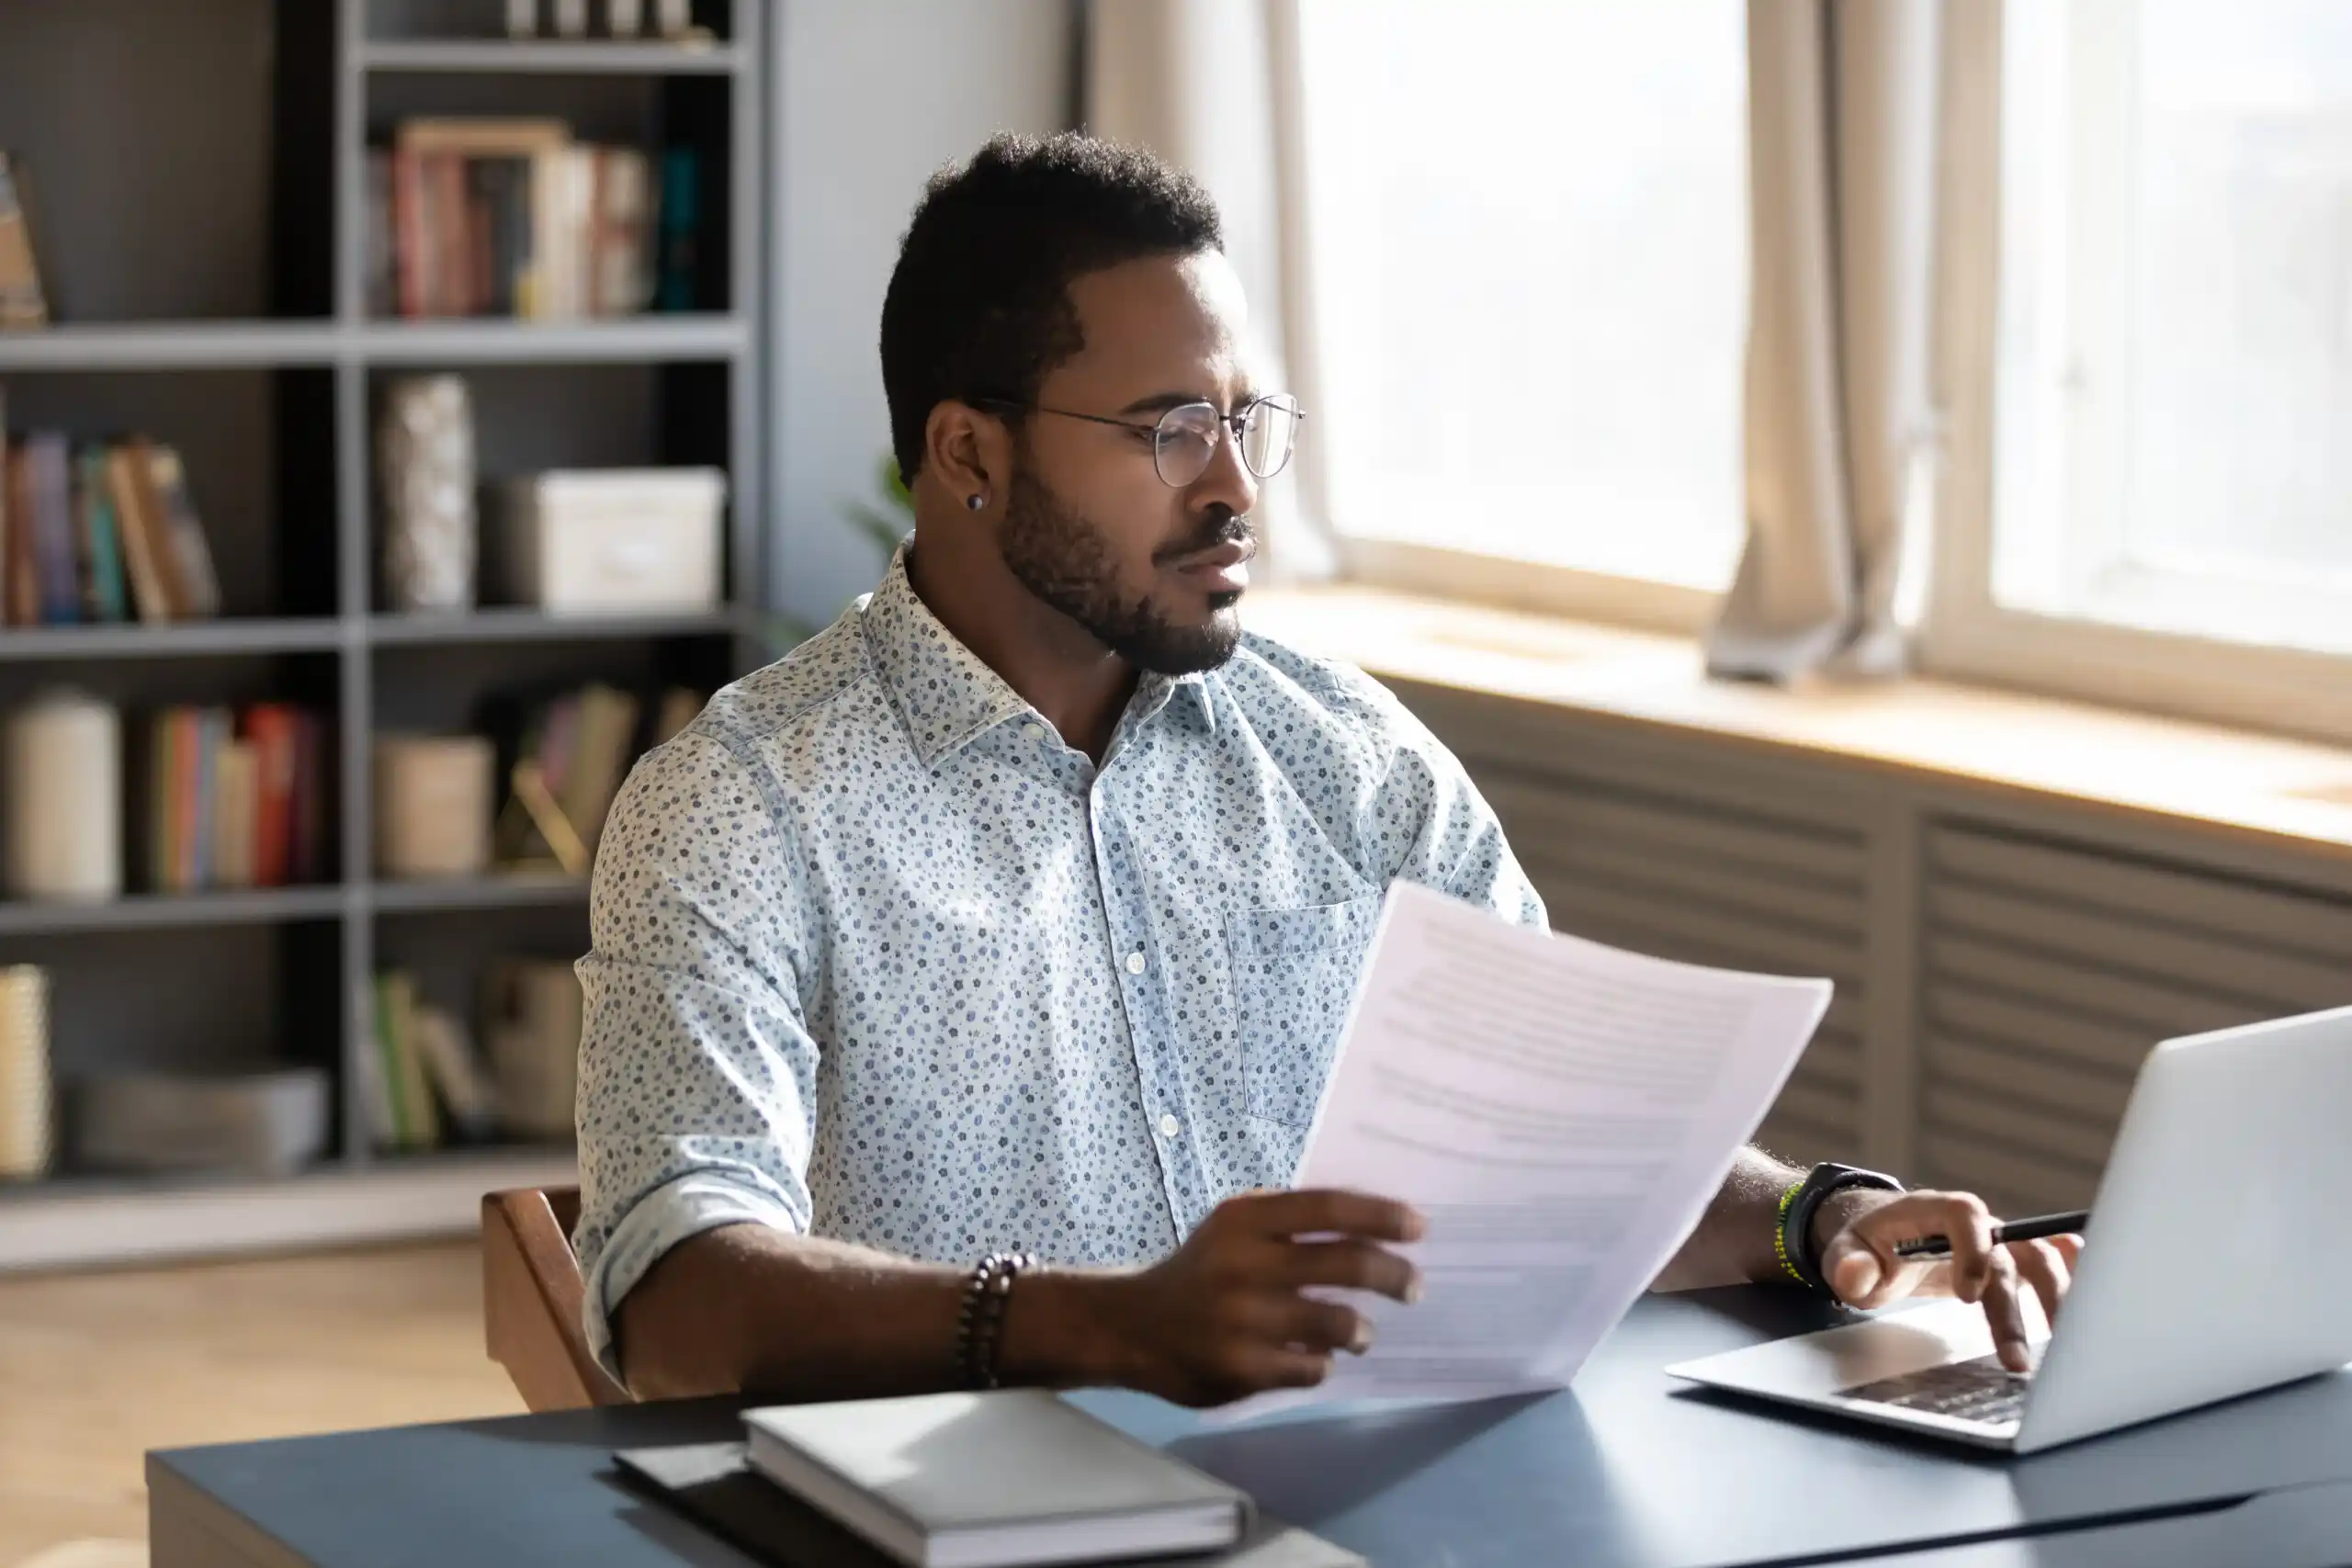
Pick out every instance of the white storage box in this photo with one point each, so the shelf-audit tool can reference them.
(614, 541)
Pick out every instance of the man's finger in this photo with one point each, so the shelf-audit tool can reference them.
(2004, 1311)
(1275, 1366)
(2043, 1266)
(1860, 1277)
(1306, 1325)
(1350, 1265)
(1961, 1218)
(1326, 1211)
(2070, 1248)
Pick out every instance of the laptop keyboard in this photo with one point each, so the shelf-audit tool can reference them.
(1981, 1390)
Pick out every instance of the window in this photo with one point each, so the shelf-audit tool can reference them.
(2172, 434)
(1530, 251)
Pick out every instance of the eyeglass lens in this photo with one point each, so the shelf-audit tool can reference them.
(1187, 437)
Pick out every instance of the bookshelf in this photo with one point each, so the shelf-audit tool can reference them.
(205, 258)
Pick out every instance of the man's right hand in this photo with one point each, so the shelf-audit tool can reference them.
(1226, 1316)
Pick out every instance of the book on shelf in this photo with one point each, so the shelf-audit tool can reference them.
(510, 216)
(24, 303)
(232, 797)
(568, 754)
(100, 533)
(425, 1084)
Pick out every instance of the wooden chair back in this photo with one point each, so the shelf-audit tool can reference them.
(531, 1295)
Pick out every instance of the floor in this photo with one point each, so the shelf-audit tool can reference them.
(97, 1369)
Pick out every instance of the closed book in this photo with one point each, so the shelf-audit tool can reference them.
(676, 262)
(211, 735)
(310, 827)
(622, 272)
(139, 518)
(8, 498)
(22, 586)
(162, 736)
(453, 259)
(457, 1073)
(199, 587)
(408, 249)
(1010, 1477)
(110, 595)
(272, 730)
(235, 812)
(23, 303)
(600, 759)
(396, 1009)
(55, 570)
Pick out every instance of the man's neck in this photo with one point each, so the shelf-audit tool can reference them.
(1055, 664)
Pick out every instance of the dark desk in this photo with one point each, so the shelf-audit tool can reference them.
(1627, 1470)
(2300, 1527)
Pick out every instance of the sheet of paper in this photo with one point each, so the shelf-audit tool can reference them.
(1561, 1112)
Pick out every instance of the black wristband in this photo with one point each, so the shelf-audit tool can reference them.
(1796, 1217)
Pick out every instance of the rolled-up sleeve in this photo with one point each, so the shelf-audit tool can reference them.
(697, 1076)
(1430, 824)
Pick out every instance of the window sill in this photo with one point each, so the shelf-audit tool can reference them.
(2288, 792)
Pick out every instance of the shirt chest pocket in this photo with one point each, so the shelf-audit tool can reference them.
(1293, 973)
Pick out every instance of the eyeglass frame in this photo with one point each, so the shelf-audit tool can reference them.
(1232, 422)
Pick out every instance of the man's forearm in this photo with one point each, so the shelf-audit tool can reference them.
(746, 1308)
(1732, 1245)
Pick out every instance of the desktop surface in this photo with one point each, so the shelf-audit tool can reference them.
(1628, 1468)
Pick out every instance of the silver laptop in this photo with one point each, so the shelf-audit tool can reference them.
(2218, 1261)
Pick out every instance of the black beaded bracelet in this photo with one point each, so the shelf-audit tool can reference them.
(979, 1321)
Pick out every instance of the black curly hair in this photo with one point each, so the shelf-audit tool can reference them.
(979, 302)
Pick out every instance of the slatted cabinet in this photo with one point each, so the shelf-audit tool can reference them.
(2003, 965)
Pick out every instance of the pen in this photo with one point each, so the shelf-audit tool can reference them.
(2016, 1230)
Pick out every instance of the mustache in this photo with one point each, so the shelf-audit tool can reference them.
(1219, 525)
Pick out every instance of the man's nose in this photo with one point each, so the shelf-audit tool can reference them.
(1226, 480)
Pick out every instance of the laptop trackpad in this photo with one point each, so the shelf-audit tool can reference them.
(1817, 1366)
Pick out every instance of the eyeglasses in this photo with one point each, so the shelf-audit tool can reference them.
(1184, 439)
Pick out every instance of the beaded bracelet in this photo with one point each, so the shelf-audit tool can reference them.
(1780, 1234)
(979, 1322)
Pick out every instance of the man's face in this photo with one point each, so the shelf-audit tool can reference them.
(1151, 571)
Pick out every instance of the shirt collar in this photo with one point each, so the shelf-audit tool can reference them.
(946, 695)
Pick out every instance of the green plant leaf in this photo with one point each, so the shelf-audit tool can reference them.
(894, 485)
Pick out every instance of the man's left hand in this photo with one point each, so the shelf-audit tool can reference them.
(1863, 1228)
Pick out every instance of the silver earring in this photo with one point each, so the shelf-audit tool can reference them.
(974, 502)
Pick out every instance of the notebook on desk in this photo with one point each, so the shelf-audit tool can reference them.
(964, 1481)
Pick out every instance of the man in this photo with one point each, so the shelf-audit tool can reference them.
(1020, 908)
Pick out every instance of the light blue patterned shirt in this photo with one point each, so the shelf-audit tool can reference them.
(876, 956)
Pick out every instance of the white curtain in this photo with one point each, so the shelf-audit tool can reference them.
(1214, 86)
(1843, 118)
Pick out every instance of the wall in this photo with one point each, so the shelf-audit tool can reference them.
(871, 98)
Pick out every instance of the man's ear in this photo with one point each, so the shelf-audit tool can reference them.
(970, 451)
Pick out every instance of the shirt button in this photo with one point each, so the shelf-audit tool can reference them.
(1033, 732)
(1170, 1126)
(1135, 962)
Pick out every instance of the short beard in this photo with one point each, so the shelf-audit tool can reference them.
(1061, 558)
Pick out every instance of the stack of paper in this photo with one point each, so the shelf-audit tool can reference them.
(1560, 1112)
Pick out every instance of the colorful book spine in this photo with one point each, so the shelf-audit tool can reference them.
(108, 598)
(54, 569)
